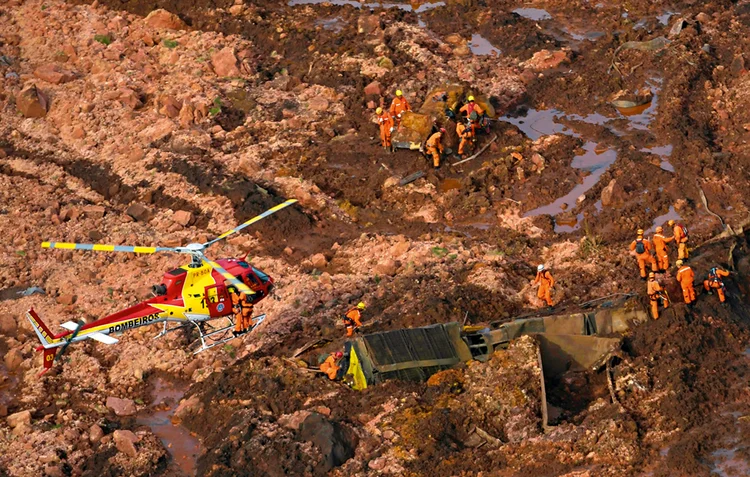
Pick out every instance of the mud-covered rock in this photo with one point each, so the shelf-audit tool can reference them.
(32, 103)
(121, 407)
(125, 442)
(224, 62)
(22, 418)
(163, 19)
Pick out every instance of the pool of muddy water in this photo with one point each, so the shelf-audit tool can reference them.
(183, 447)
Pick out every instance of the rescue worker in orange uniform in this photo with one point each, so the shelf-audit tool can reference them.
(385, 120)
(435, 147)
(680, 238)
(642, 248)
(242, 306)
(655, 295)
(473, 112)
(546, 282)
(330, 365)
(660, 247)
(466, 134)
(714, 282)
(353, 319)
(685, 276)
(398, 106)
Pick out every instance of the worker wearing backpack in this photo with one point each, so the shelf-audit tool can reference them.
(680, 237)
(642, 249)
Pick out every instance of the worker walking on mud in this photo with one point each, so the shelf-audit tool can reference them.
(656, 294)
(474, 113)
(715, 282)
(466, 135)
(399, 106)
(353, 319)
(330, 365)
(435, 147)
(385, 120)
(660, 247)
(686, 276)
(680, 237)
(546, 282)
(243, 311)
(642, 248)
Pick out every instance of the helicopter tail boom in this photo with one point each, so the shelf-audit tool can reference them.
(44, 334)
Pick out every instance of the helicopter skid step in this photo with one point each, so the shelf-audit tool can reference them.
(208, 340)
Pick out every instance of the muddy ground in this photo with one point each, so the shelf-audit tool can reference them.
(567, 182)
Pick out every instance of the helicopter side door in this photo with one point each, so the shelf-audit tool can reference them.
(217, 300)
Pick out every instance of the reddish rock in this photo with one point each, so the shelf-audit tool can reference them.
(121, 407)
(32, 103)
(67, 299)
(318, 104)
(157, 131)
(319, 260)
(192, 405)
(225, 63)
(13, 359)
(187, 115)
(170, 106)
(161, 18)
(183, 217)
(94, 211)
(3, 410)
(387, 267)
(138, 212)
(545, 60)
(374, 89)
(613, 194)
(129, 98)
(8, 325)
(22, 418)
(294, 421)
(55, 74)
(125, 442)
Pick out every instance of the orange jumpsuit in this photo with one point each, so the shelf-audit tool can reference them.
(435, 148)
(243, 311)
(714, 281)
(655, 291)
(330, 367)
(398, 106)
(385, 120)
(685, 276)
(352, 320)
(546, 282)
(645, 257)
(466, 135)
(662, 257)
(681, 241)
(472, 107)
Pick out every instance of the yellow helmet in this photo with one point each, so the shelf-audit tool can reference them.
(361, 305)
(651, 274)
(379, 111)
(659, 229)
(678, 263)
(640, 232)
(670, 223)
(470, 98)
(399, 92)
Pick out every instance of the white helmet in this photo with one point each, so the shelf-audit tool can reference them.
(539, 268)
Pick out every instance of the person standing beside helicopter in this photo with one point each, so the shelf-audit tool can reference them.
(242, 306)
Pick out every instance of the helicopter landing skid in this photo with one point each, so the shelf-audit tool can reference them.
(222, 335)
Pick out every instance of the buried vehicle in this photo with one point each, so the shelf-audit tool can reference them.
(441, 105)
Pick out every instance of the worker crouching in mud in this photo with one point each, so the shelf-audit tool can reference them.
(330, 366)
(715, 282)
(435, 147)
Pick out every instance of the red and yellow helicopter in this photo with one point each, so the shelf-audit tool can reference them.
(189, 295)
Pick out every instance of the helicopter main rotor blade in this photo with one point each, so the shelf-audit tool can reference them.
(237, 283)
(106, 248)
(265, 214)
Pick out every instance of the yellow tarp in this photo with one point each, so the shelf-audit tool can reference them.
(355, 371)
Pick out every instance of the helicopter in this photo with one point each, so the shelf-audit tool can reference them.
(189, 295)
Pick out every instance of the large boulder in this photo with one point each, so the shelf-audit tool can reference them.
(32, 103)
(613, 195)
(161, 18)
(125, 442)
(22, 418)
(53, 73)
(224, 62)
(121, 407)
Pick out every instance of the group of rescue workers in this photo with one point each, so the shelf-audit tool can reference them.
(657, 257)
(390, 120)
